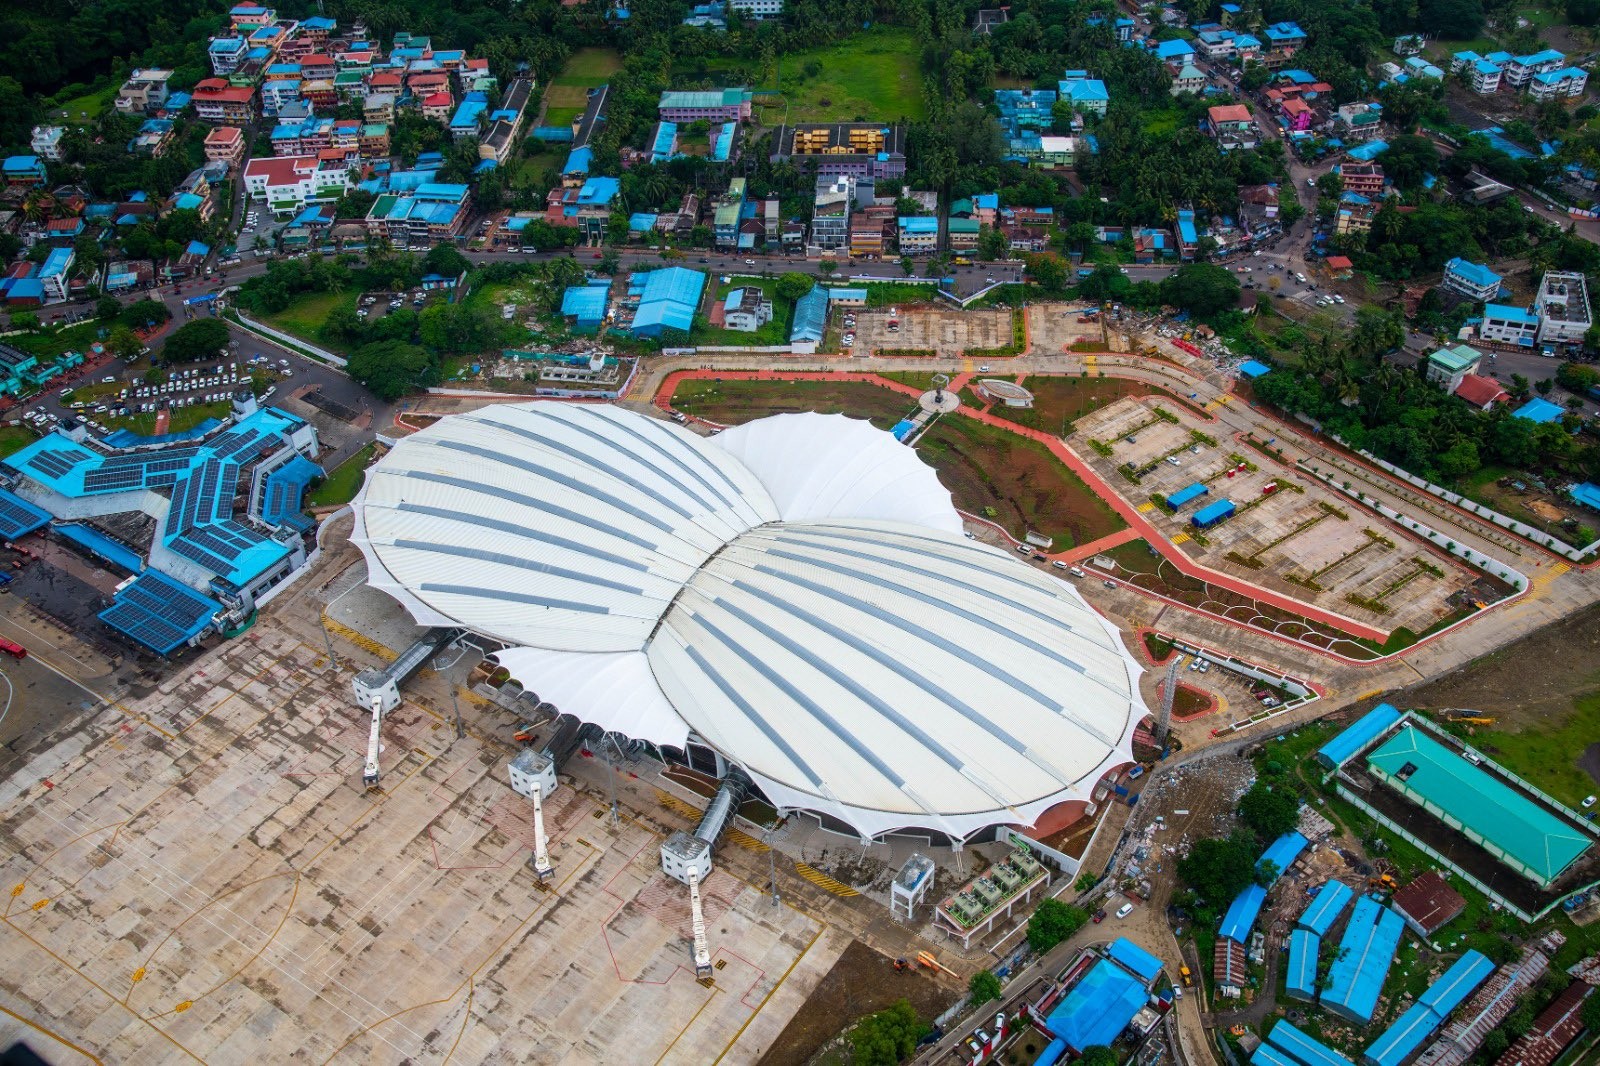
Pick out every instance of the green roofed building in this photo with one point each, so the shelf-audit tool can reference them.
(1500, 819)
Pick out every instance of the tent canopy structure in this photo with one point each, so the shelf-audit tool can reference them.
(795, 593)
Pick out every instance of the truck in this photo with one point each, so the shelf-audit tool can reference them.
(13, 649)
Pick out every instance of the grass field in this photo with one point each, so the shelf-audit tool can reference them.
(1016, 482)
(343, 481)
(566, 95)
(49, 343)
(183, 418)
(733, 402)
(870, 76)
(304, 317)
(84, 108)
(561, 116)
(15, 438)
(1059, 401)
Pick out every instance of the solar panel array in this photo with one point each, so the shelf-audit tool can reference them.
(140, 470)
(284, 491)
(55, 462)
(200, 525)
(19, 517)
(159, 613)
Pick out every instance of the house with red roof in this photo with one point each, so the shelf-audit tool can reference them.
(1481, 392)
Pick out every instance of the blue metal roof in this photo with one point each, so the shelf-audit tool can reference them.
(1587, 494)
(918, 224)
(1369, 151)
(1186, 494)
(1537, 410)
(1241, 916)
(1457, 983)
(1305, 1049)
(1283, 851)
(810, 316)
(587, 303)
(1098, 1008)
(1356, 979)
(18, 517)
(1135, 958)
(1267, 1055)
(283, 493)
(1301, 971)
(667, 299)
(97, 543)
(1212, 513)
(1358, 735)
(1325, 907)
(1508, 313)
(1474, 273)
(1404, 1036)
(1251, 368)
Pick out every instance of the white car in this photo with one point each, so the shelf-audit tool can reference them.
(1338, 299)
(1124, 910)
(749, 262)
(984, 369)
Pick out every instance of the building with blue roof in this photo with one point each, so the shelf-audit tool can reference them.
(466, 121)
(1283, 852)
(1304, 1049)
(1175, 51)
(160, 613)
(1540, 410)
(1473, 280)
(1285, 36)
(1504, 324)
(586, 305)
(283, 491)
(810, 319)
(1242, 913)
(18, 517)
(1586, 494)
(1300, 972)
(1025, 109)
(1325, 907)
(1085, 94)
(578, 162)
(1366, 729)
(1267, 1055)
(1429, 1013)
(1252, 369)
(723, 139)
(1366, 951)
(667, 299)
(642, 221)
(429, 213)
(1135, 958)
(1097, 1009)
(1186, 494)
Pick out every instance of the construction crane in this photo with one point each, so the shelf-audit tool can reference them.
(702, 954)
(542, 869)
(369, 773)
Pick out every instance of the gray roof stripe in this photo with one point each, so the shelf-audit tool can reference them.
(544, 471)
(586, 520)
(526, 532)
(752, 715)
(514, 597)
(626, 430)
(829, 722)
(461, 551)
(590, 459)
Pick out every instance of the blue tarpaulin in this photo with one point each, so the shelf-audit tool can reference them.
(1251, 368)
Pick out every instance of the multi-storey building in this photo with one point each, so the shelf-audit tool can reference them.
(830, 211)
(429, 214)
(1564, 312)
(1472, 280)
(717, 105)
(46, 142)
(145, 90)
(285, 184)
(225, 144)
(857, 149)
(217, 102)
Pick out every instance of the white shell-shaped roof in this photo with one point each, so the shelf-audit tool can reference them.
(796, 593)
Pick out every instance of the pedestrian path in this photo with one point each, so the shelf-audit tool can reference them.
(824, 882)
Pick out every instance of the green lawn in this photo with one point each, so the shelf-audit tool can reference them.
(342, 482)
(49, 343)
(1547, 754)
(15, 438)
(589, 67)
(305, 316)
(183, 418)
(561, 116)
(774, 332)
(870, 76)
(83, 108)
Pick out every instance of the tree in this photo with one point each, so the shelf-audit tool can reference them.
(1459, 20)
(827, 267)
(124, 342)
(792, 285)
(983, 987)
(1270, 811)
(908, 265)
(887, 1037)
(445, 259)
(392, 368)
(1589, 1014)
(25, 320)
(1201, 289)
(1098, 1055)
(193, 341)
(1054, 922)
(1544, 385)
(107, 308)
(143, 314)
(1220, 868)
(1408, 159)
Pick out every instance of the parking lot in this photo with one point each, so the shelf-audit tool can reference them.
(1287, 533)
(110, 397)
(946, 332)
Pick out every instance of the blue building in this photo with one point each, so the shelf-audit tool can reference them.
(1541, 411)
(1338, 751)
(810, 317)
(586, 305)
(667, 300)
(1325, 907)
(1366, 952)
(1186, 494)
(1301, 967)
(1428, 1014)
(1209, 516)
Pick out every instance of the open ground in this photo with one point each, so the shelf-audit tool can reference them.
(941, 330)
(566, 96)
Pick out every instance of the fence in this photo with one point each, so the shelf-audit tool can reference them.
(293, 343)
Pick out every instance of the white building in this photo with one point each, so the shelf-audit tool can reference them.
(1504, 324)
(746, 309)
(286, 183)
(1472, 280)
(1564, 312)
(1523, 69)
(1555, 84)
(46, 142)
(757, 9)
(532, 770)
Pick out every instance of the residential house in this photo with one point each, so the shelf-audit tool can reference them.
(1214, 42)
(469, 117)
(1231, 126)
(725, 215)
(247, 17)
(438, 106)
(872, 232)
(373, 142)
(918, 235)
(318, 66)
(1188, 237)
(378, 107)
(153, 138)
(1355, 213)
(717, 105)
(757, 9)
(831, 206)
(1564, 312)
(278, 94)
(1021, 238)
(1295, 115)
(431, 213)
(586, 206)
(1174, 53)
(963, 234)
(1523, 69)
(64, 229)
(711, 15)
(227, 54)
(1448, 366)
(1366, 179)
(144, 91)
(858, 149)
(287, 183)
(1190, 79)
(1409, 45)
(222, 104)
(1284, 39)
(1229, 14)
(1024, 109)
(1086, 95)
(1046, 150)
(1481, 75)
(986, 208)
(1504, 324)
(1471, 280)
(1358, 123)
(1555, 84)
(1481, 392)
(746, 309)
(46, 142)
(1417, 67)
(55, 275)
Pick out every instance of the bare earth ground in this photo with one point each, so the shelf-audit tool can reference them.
(861, 982)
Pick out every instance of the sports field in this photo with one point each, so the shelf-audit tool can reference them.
(870, 76)
(587, 69)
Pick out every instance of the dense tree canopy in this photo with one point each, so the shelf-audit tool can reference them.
(193, 341)
(1219, 868)
(1269, 811)
(1052, 922)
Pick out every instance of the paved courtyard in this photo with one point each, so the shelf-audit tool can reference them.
(1053, 328)
(946, 331)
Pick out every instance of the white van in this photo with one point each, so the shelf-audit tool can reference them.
(1124, 910)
